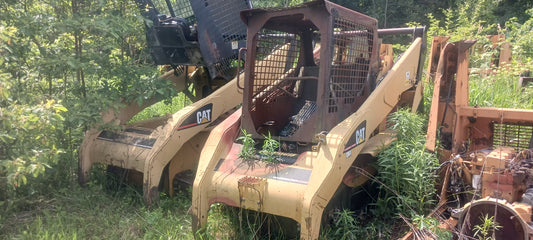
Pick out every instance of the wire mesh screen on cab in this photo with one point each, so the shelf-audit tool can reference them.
(350, 63)
(276, 58)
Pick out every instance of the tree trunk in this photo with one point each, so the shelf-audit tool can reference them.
(78, 46)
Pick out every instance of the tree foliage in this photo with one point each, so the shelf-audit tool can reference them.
(62, 63)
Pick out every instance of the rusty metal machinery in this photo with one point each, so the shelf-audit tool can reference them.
(501, 181)
(486, 151)
(319, 97)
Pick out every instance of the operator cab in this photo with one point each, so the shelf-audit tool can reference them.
(317, 75)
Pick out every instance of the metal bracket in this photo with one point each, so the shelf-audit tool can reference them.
(251, 192)
(321, 138)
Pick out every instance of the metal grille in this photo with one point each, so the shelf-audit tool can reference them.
(223, 67)
(276, 58)
(350, 64)
(228, 23)
(512, 135)
(183, 9)
(298, 120)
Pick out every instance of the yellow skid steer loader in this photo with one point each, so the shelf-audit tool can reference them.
(199, 39)
(309, 119)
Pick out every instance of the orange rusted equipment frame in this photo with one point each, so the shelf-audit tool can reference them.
(303, 183)
(450, 112)
(466, 129)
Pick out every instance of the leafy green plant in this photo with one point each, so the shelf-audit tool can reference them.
(349, 224)
(519, 34)
(345, 226)
(248, 145)
(269, 149)
(28, 140)
(486, 228)
(429, 226)
(468, 20)
(406, 169)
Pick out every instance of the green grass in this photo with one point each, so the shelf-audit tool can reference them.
(94, 213)
(161, 108)
(500, 89)
(108, 209)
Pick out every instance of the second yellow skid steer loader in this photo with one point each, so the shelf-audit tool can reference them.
(309, 118)
(200, 40)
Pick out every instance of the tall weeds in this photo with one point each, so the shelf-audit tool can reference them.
(406, 169)
(501, 89)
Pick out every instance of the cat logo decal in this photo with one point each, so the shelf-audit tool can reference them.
(202, 116)
(357, 138)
